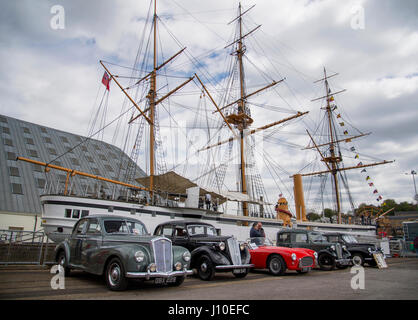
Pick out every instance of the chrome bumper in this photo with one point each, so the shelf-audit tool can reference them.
(148, 275)
(234, 266)
(344, 262)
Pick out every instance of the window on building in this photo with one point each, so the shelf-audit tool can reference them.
(47, 140)
(44, 130)
(64, 139)
(75, 162)
(84, 213)
(84, 148)
(26, 130)
(33, 153)
(108, 168)
(8, 142)
(11, 156)
(17, 188)
(89, 159)
(3, 119)
(76, 214)
(30, 141)
(14, 171)
(52, 151)
(40, 183)
(102, 157)
(37, 168)
(68, 213)
(95, 171)
(6, 130)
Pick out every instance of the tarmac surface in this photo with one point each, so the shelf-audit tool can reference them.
(398, 282)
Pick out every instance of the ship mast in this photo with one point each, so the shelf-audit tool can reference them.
(151, 99)
(333, 159)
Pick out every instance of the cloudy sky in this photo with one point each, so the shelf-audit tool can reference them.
(52, 76)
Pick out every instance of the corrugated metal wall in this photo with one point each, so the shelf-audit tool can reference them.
(21, 138)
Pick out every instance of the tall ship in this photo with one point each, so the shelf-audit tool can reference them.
(210, 123)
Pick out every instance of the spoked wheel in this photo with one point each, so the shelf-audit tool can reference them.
(62, 261)
(276, 265)
(205, 268)
(358, 259)
(115, 276)
(326, 262)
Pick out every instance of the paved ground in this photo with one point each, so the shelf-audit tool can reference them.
(399, 281)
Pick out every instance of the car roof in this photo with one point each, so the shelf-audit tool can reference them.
(294, 230)
(184, 222)
(113, 217)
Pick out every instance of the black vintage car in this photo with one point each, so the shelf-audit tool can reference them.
(361, 253)
(121, 249)
(210, 252)
(330, 254)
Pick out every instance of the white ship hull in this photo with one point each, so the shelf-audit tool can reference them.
(58, 227)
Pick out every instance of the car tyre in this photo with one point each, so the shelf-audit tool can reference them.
(62, 261)
(276, 265)
(372, 263)
(326, 262)
(205, 268)
(115, 275)
(358, 259)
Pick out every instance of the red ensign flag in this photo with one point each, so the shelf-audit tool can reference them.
(106, 80)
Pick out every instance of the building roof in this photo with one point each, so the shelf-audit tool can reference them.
(21, 183)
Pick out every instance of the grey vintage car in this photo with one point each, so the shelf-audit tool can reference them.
(121, 249)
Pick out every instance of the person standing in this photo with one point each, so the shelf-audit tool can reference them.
(208, 201)
(416, 245)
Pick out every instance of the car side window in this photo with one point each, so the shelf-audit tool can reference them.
(301, 237)
(79, 229)
(94, 227)
(179, 231)
(333, 238)
(167, 231)
(284, 238)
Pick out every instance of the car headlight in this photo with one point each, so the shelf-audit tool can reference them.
(178, 266)
(333, 247)
(370, 250)
(186, 256)
(221, 246)
(293, 256)
(139, 256)
(152, 267)
(242, 246)
(315, 255)
(344, 247)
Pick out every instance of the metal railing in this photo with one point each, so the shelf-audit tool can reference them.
(25, 247)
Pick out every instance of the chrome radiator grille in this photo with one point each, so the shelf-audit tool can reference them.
(163, 254)
(234, 251)
(339, 250)
(306, 262)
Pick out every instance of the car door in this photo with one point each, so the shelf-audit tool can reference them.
(76, 242)
(90, 246)
(180, 237)
(317, 241)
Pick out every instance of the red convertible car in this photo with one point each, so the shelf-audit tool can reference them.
(279, 259)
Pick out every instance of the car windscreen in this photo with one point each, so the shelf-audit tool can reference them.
(124, 226)
(260, 241)
(201, 229)
(317, 237)
(349, 239)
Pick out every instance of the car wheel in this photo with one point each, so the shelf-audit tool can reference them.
(241, 275)
(276, 265)
(358, 259)
(115, 275)
(205, 268)
(326, 262)
(62, 261)
(372, 263)
(178, 282)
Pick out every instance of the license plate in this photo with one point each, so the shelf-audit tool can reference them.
(238, 271)
(160, 280)
(305, 269)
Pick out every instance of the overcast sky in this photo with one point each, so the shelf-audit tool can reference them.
(52, 76)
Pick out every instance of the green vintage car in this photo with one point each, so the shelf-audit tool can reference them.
(121, 249)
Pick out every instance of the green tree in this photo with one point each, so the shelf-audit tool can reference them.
(312, 216)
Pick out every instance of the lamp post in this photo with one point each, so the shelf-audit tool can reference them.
(413, 174)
